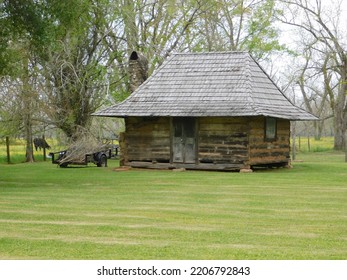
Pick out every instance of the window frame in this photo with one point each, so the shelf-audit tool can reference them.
(270, 129)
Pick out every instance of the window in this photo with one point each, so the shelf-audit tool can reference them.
(270, 129)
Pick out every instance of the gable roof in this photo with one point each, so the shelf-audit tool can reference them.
(208, 84)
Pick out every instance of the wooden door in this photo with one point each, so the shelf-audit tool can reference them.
(184, 143)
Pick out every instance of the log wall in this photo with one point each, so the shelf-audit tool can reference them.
(223, 143)
(147, 139)
(266, 152)
(223, 140)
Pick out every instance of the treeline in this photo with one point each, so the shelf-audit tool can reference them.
(61, 60)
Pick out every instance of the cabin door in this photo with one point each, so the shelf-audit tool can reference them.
(184, 144)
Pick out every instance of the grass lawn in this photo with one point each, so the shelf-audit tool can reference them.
(99, 213)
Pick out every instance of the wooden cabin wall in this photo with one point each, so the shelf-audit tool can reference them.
(267, 152)
(147, 139)
(223, 140)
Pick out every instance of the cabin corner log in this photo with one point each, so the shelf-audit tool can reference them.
(123, 149)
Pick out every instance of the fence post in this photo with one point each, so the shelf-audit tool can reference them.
(293, 140)
(8, 149)
(308, 143)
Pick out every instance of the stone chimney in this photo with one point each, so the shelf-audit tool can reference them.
(138, 70)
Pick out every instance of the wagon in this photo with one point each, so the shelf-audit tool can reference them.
(64, 158)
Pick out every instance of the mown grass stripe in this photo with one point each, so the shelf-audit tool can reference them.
(96, 213)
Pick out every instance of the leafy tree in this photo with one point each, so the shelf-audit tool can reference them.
(239, 25)
(64, 39)
(19, 43)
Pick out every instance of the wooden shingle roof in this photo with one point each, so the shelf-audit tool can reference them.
(208, 84)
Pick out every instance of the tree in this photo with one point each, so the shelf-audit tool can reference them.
(158, 28)
(326, 41)
(75, 68)
(64, 39)
(18, 108)
(239, 25)
(316, 90)
(20, 43)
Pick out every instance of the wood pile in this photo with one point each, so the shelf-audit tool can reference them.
(77, 150)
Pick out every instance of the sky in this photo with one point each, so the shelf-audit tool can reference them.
(344, 6)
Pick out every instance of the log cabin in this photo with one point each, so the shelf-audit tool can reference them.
(206, 111)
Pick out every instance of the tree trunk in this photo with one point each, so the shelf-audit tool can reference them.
(318, 129)
(29, 155)
(44, 148)
(27, 105)
(340, 116)
(340, 130)
(8, 149)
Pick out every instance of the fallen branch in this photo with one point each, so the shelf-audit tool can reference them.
(86, 144)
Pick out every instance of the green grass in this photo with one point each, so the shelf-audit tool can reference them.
(99, 213)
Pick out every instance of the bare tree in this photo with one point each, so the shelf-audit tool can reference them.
(73, 87)
(327, 44)
(316, 90)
